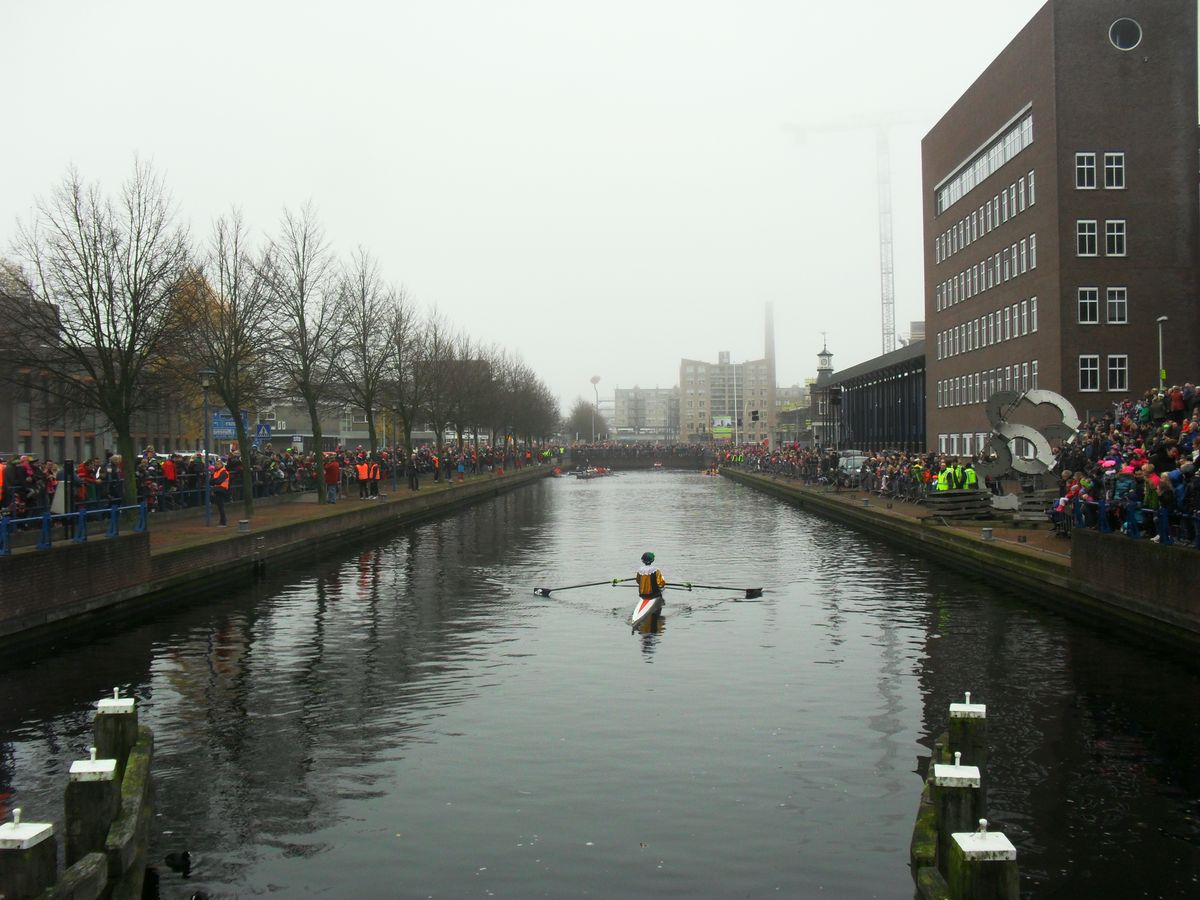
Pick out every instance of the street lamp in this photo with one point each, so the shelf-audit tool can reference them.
(1162, 374)
(595, 409)
(206, 379)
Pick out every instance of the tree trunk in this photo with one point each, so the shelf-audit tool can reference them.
(247, 475)
(318, 450)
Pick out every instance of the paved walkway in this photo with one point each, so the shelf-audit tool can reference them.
(1034, 540)
(188, 530)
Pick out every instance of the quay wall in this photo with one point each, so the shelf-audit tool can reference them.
(45, 593)
(1110, 579)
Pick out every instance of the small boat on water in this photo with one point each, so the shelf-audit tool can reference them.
(646, 607)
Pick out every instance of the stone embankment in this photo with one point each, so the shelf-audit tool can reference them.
(1102, 578)
(46, 592)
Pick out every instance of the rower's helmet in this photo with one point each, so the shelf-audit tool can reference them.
(647, 557)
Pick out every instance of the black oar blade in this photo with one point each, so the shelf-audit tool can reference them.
(752, 593)
(542, 592)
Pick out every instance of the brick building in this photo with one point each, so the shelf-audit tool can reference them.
(1061, 222)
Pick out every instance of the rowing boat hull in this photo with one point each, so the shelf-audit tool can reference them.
(646, 607)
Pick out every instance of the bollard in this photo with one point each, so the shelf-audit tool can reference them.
(91, 803)
(986, 534)
(968, 731)
(983, 865)
(116, 728)
(957, 801)
(28, 857)
(866, 501)
(244, 526)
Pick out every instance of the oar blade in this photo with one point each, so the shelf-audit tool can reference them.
(542, 592)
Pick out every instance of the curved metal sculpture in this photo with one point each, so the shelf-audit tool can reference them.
(1003, 407)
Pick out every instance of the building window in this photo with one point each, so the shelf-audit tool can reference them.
(1085, 237)
(1007, 332)
(1024, 317)
(1004, 256)
(1012, 198)
(1033, 251)
(1004, 207)
(1024, 376)
(975, 334)
(1008, 378)
(991, 329)
(1024, 257)
(1033, 314)
(1089, 306)
(1089, 373)
(1118, 372)
(1114, 171)
(1118, 306)
(1085, 171)
(988, 210)
(1125, 34)
(1114, 237)
(1031, 193)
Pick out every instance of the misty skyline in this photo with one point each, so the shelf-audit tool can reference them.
(603, 190)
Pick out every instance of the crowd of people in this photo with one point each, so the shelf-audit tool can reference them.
(172, 481)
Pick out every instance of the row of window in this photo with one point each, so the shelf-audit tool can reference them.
(974, 171)
(1116, 306)
(1114, 171)
(1087, 237)
(969, 443)
(976, 387)
(1118, 372)
(992, 271)
(992, 214)
(1002, 325)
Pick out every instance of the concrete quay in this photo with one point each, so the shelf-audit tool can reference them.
(70, 587)
(1104, 579)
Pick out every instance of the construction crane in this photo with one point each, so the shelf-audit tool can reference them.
(882, 126)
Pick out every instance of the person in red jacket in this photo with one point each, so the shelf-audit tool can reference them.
(333, 478)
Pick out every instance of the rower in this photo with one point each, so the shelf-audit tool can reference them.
(650, 578)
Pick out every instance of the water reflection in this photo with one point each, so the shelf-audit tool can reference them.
(407, 718)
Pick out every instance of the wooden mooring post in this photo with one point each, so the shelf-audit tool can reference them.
(109, 805)
(951, 857)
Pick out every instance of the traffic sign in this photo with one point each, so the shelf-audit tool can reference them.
(263, 431)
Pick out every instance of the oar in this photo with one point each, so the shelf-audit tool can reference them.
(751, 593)
(545, 592)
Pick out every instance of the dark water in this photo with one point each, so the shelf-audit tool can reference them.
(410, 720)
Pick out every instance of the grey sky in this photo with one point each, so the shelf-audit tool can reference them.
(603, 187)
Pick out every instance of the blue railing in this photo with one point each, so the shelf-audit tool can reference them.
(74, 525)
(1132, 517)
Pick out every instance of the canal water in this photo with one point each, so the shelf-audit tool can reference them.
(408, 719)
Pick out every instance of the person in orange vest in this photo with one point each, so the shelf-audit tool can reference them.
(437, 467)
(219, 482)
(373, 473)
(362, 471)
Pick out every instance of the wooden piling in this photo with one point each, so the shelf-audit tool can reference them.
(116, 728)
(28, 857)
(982, 865)
(91, 802)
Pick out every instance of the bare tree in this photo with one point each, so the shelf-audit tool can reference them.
(103, 276)
(406, 366)
(437, 361)
(364, 307)
(298, 275)
(228, 321)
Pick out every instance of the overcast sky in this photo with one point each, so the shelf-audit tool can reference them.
(603, 188)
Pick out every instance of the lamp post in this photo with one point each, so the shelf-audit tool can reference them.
(206, 377)
(1162, 375)
(595, 409)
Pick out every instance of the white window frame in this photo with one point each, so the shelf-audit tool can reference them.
(1085, 171)
(1033, 315)
(1033, 251)
(1033, 366)
(1115, 237)
(1114, 164)
(1086, 237)
(1116, 298)
(1021, 194)
(1089, 366)
(1088, 297)
(1024, 317)
(1031, 191)
(1120, 370)
(1024, 256)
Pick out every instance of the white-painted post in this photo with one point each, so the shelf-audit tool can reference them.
(91, 802)
(968, 735)
(115, 728)
(983, 865)
(957, 802)
(28, 857)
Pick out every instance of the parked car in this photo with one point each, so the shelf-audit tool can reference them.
(848, 470)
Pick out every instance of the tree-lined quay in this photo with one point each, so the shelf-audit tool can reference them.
(123, 314)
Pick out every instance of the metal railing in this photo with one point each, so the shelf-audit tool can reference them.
(75, 527)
